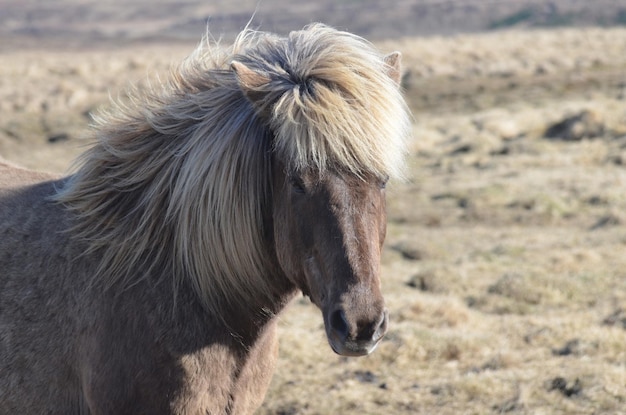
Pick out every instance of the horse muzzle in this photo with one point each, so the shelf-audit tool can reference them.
(355, 338)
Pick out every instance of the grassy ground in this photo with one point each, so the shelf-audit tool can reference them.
(504, 268)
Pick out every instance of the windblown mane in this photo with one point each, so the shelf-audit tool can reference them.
(179, 180)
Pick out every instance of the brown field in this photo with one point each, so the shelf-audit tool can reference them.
(505, 263)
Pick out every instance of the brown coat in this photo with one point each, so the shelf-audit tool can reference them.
(80, 342)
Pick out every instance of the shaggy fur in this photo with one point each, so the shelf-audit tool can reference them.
(147, 281)
(332, 103)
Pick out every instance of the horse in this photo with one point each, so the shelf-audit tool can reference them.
(149, 279)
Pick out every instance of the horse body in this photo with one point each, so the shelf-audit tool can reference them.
(149, 281)
(30, 295)
(122, 353)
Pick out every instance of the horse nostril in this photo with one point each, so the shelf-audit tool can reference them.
(381, 328)
(339, 323)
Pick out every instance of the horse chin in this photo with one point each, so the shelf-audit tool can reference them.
(352, 348)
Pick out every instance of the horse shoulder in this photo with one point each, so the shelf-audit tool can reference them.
(152, 361)
(256, 374)
(229, 380)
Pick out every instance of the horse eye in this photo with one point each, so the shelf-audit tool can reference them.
(383, 182)
(297, 184)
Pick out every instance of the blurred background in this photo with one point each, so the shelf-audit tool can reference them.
(505, 262)
(84, 22)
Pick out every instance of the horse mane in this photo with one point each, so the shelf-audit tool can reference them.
(178, 183)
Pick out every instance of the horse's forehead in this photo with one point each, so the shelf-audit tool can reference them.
(343, 185)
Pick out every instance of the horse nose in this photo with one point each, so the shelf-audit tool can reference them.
(356, 338)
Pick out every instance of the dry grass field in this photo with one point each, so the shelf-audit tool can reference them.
(505, 263)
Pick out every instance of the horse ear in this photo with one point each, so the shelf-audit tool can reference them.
(393, 66)
(251, 82)
(248, 79)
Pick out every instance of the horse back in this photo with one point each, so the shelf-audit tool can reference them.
(13, 176)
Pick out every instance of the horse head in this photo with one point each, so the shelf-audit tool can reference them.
(329, 232)
(337, 124)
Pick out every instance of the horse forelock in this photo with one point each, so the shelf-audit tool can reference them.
(178, 182)
(332, 102)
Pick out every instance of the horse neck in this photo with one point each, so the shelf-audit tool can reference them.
(244, 325)
(284, 290)
(265, 309)
(246, 320)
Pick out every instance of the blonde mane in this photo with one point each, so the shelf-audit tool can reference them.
(179, 180)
